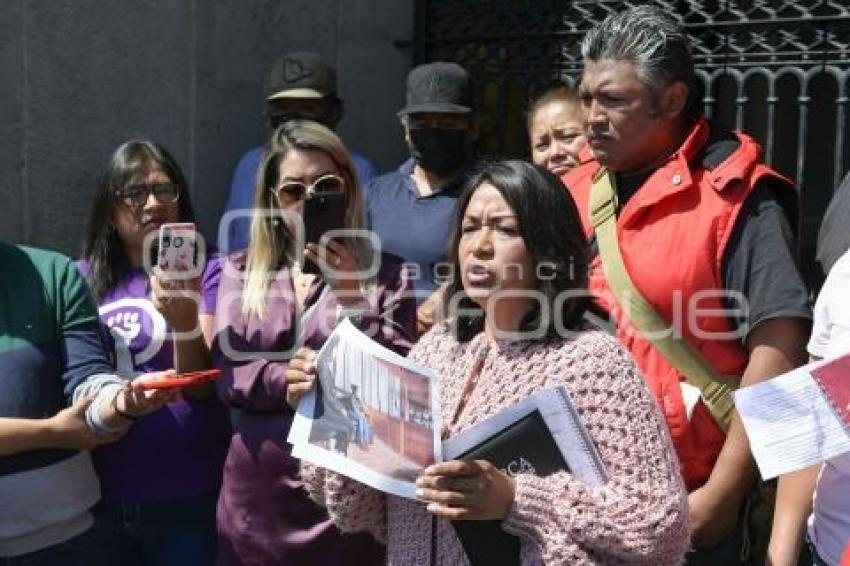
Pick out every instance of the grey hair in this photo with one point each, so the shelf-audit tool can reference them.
(653, 41)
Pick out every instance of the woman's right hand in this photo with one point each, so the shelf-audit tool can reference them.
(300, 376)
(176, 299)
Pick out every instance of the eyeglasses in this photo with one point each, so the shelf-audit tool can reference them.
(293, 191)
(137, 195)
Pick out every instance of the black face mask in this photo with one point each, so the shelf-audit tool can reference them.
(438, 150)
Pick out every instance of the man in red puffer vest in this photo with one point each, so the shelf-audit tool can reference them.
(707, 234)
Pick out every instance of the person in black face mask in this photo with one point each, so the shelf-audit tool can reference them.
(439, 125)
(439, 143)
(302, 86)
(410, 209)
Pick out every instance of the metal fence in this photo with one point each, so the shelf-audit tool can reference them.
(776, 69)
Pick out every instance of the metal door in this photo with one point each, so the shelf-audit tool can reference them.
(776, 69)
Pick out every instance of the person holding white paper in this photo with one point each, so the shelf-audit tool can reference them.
(268, 307)
(826, 519)
(516, 323)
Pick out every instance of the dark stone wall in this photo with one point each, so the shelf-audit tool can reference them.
(78, 77)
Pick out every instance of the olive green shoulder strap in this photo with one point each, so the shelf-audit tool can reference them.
(681, 354)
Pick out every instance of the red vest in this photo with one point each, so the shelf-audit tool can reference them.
(673, 233)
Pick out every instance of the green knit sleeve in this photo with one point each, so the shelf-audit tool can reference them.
(72, 299)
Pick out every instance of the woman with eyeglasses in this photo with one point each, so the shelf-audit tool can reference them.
(268, 310)
(160, 482)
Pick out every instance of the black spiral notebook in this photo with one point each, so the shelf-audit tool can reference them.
(540, 435)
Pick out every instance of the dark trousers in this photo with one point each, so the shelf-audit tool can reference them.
(169, 533)
(726, 553)
(95, 547)
(729, 552)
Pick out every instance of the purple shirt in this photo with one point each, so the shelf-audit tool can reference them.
(264, 514)
(177, 451)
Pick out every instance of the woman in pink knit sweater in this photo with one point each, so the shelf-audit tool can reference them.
(516, 322)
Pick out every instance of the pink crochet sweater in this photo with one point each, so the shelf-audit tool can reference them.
(639, 517)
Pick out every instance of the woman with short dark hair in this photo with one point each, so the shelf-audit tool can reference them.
(517, 322)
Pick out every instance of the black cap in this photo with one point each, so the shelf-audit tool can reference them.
(301, 75)
(438, 87)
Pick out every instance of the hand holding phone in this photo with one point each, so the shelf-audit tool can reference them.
(175, 281)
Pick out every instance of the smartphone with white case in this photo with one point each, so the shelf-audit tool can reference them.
(178, 247)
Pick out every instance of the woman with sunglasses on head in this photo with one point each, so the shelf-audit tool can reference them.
(269, 308)
(516, 322)
(161, 481)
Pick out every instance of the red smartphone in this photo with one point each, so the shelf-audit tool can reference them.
(183, 379)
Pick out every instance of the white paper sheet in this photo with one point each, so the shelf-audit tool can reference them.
(790, 424)
(385, 430)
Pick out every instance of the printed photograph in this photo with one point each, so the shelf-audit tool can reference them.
(373, 412)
